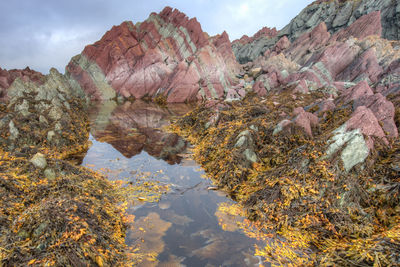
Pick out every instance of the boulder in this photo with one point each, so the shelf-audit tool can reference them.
(382, 109)
(305, 120)
(364, 120)
(357, 91)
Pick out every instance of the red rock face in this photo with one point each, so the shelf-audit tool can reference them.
(168, 55)
(8, 77)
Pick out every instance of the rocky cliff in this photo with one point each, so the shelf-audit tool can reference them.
(336, 15)
(167, 56)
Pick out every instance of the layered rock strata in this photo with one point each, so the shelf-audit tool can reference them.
(336, 15)
(168, 55)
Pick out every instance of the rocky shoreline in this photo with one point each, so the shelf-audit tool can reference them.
(52, 211)
(303, 133)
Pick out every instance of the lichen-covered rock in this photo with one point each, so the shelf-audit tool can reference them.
(167, 55)
(43, 117)
(8, 77)
(247, 49)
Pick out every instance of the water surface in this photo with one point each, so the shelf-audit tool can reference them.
(185, 227)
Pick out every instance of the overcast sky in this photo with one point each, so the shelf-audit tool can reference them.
(46, 33)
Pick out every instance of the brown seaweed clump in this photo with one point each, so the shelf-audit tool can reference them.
(63, 215)
(314, 211)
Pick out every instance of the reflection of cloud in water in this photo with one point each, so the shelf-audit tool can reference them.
(218, 244)
(150, 230)
(133, 127)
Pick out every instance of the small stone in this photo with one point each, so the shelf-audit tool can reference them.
(40, 230)
(240, 142)
(55, 113)
(50, 174)
(58, 127)
(254, 72)
(50, 135)
(42, 119)
(13, 131)
(23, 108)
(250, 155)
(39, 161)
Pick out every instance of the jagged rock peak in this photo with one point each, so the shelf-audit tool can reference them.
(264, 32)
(168, 55)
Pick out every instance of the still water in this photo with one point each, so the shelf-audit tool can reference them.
(185, 227)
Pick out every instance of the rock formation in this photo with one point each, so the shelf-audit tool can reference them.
(336, 15)
(40, 116)
(351, 66)
(8, 77)
(168, 56)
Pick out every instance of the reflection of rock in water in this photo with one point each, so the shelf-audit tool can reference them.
(133, 127)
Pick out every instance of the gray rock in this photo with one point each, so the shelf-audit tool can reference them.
(55, 113)
(251, 51)
(58, 127)
(240, 142)
(355, 148)
(50, 135)
(39, 230)
(343, 15)
(50, 174)
(250, 155)
(338, 15)
(39, 161)
(23, 108)
(42, 119)
(14, 133)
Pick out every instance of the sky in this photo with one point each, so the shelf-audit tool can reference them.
(46, 33)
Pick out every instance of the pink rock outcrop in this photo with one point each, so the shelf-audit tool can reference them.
(167, 55)
(308, 42)
(364, 119)
(365, 66)
(382, 109)
(360, 90)
(369, 24)
(305, 120)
